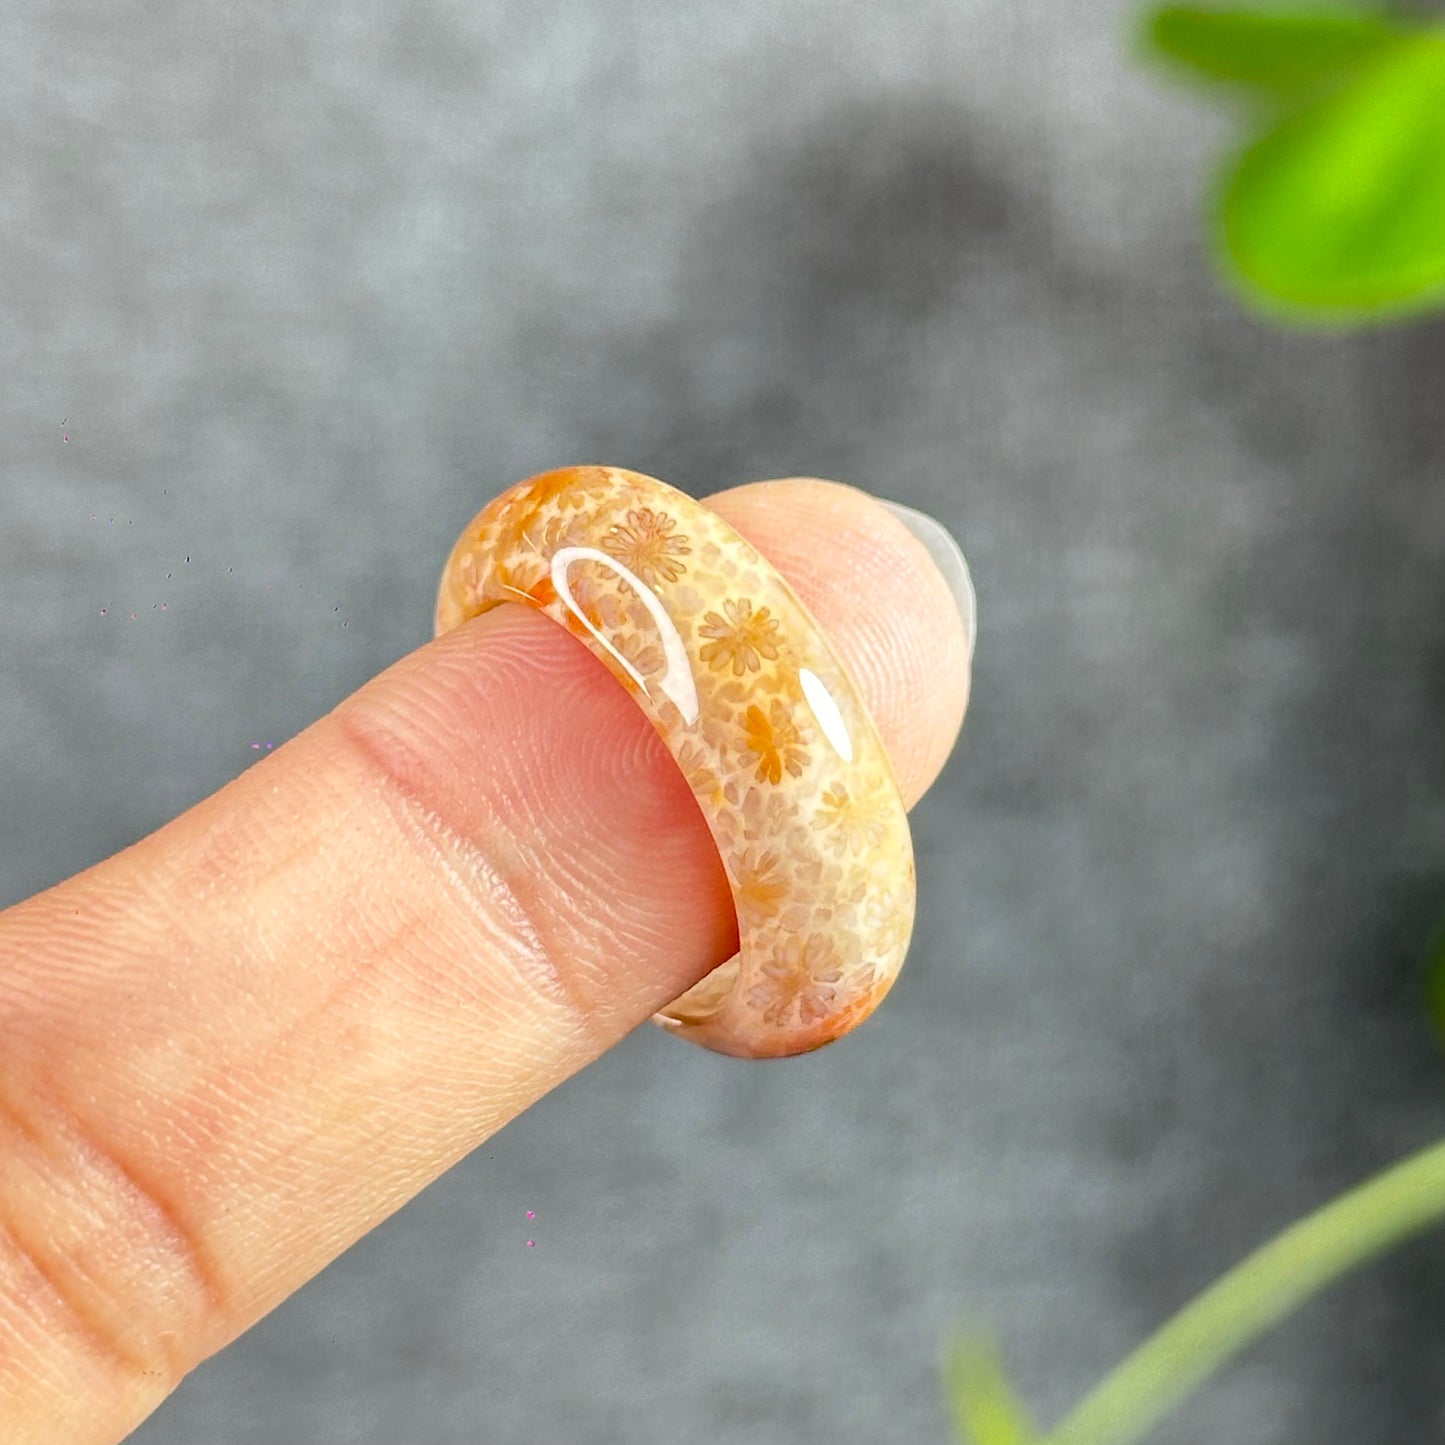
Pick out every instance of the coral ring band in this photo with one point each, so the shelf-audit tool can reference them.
(763, 720)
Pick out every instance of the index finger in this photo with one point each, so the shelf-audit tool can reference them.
(238, 1045)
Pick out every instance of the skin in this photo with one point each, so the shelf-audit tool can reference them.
(238, 1045)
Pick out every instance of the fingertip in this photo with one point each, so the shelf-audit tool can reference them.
(882, 599)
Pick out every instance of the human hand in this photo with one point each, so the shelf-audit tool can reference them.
(240, 1044)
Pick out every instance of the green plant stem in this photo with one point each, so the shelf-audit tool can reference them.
(1256, 1294)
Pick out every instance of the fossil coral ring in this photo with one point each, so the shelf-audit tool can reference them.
(763, 719)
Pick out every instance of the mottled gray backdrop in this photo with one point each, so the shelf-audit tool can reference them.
(305, 285)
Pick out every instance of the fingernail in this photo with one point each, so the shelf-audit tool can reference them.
(948, 557)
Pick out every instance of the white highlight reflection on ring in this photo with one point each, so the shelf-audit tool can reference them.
(826, 710)
(677, 681)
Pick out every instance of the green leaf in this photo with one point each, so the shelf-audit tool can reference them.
(984, 1407)
(1339, 212)
(1308, 1257)
(1286, 53)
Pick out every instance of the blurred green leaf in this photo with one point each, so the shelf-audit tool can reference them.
(1285, 53)
(1435, 981)
(1340, 210)
(984, 1407)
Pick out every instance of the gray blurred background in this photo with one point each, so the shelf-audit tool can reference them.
(305, 286)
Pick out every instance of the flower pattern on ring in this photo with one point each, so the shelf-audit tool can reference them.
(884, 921)
(760, 884)
(599, 602)
(697, 767)
(741, 639)
(648, 544)
(774, 743)
(644, 656)
(850, 823)
(802, 971)
(571, 488)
